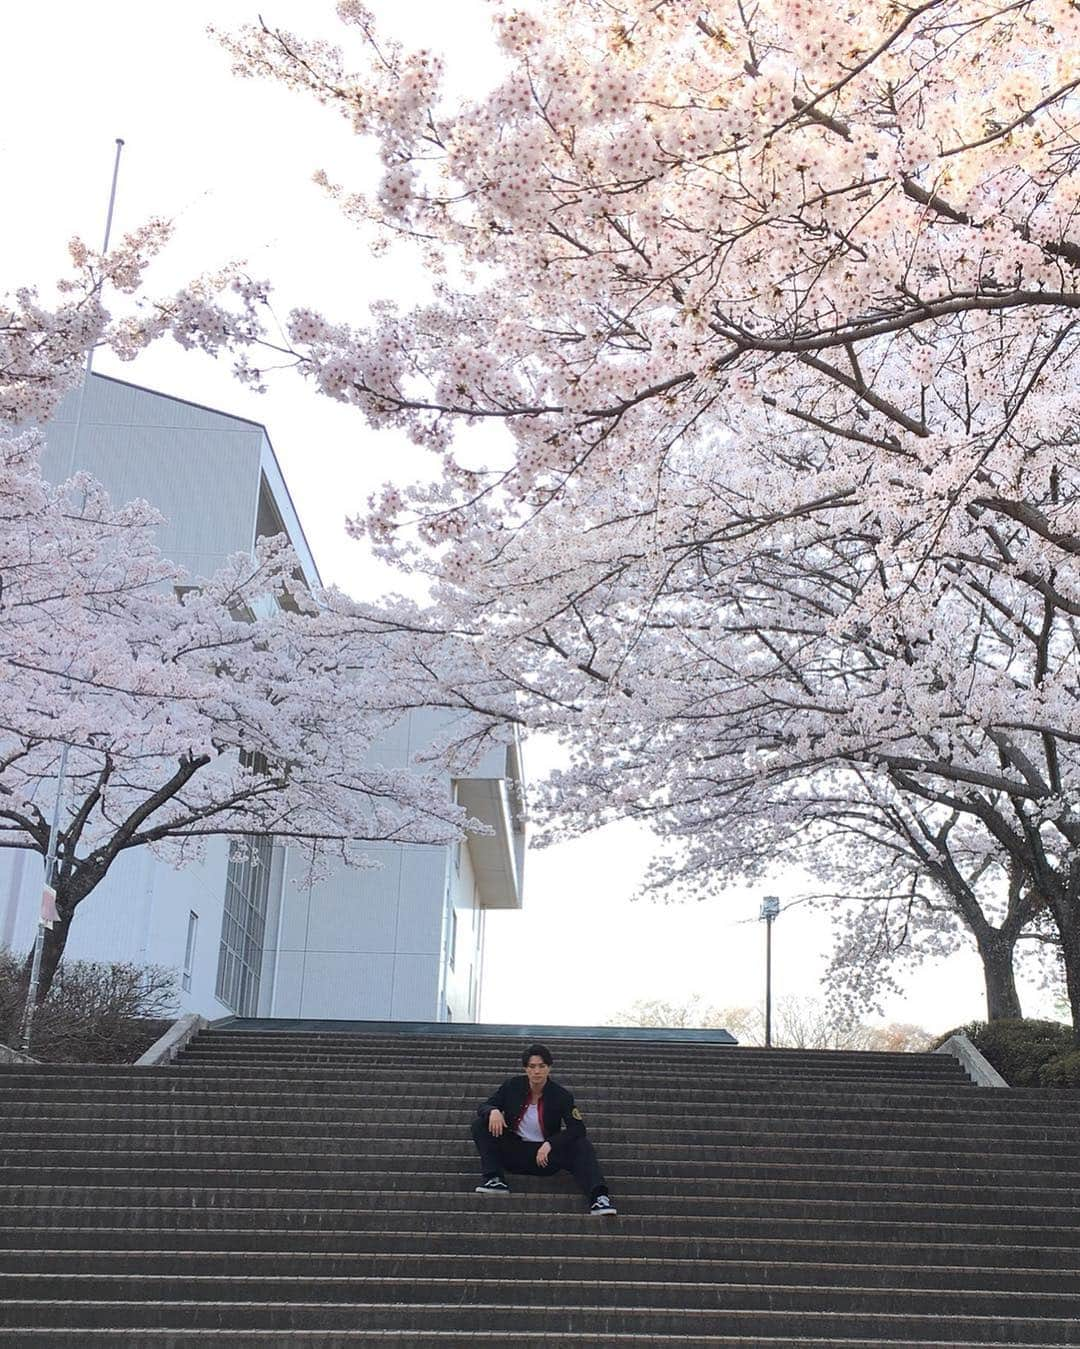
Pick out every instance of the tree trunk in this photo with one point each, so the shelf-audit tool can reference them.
(1002, 999)
(1070, 949)
(51, 953)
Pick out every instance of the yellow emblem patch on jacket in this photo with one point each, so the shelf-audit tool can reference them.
(576, 1113)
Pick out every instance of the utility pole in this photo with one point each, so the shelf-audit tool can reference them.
(48, 894)
(770, 907)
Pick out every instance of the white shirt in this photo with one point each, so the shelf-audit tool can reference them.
(529, 1125)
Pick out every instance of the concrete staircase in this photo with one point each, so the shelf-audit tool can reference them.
(292, 1187)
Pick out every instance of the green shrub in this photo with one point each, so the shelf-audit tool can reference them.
(94, 1013)
(1061, 1072)
(1019, 1049)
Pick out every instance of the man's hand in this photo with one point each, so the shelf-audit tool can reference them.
(496, 1123)
(543, 1152)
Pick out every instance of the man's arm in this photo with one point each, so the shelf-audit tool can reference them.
(573, 1123)
(494, 1109)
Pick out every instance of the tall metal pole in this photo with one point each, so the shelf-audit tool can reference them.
(77, 429)
(768, 982)
(54, 828)
(770, 907)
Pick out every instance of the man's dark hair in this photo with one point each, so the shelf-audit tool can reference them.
(540, 1051)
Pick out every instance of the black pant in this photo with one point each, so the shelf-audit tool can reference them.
(509, 1152)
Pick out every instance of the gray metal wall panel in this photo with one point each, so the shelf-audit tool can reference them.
(420, 904)
(347, 984)
(355, 911)
(416, 979)
(204, 481)
(289, 985)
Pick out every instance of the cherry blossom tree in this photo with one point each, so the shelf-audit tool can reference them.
(237, 705)
(747, 716)
(778, 309)
(170, 708)
(901, 881)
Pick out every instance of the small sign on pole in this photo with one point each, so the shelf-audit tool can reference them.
(49, 914)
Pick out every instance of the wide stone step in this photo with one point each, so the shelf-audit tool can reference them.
(510, 1044)
(655, 1160)
(726, 1106)
(310, 1176)
(207, 1214)
(934, 1069)
(500, 1289)
(560, 1198)
(940, 1069)
(341, 1339)
(753, 1324)
(382, 1103)
(75, 1111)
(631, 1187)
(562, 1267)
(157, 1084)
(468, 1081)
(792, 1147)
(612, 1243)
(371, 1090)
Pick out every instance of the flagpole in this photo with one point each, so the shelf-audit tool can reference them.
(48, 914)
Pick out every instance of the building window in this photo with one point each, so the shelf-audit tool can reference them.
(247, 890)
(189, 950)
(453, 935)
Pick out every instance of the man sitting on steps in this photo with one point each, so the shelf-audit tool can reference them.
(521, 1128)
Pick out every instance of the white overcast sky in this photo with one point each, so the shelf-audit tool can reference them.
(230, 162)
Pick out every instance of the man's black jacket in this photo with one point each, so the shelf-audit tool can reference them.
(557, 1110)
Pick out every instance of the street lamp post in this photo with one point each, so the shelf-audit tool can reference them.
(770, 907)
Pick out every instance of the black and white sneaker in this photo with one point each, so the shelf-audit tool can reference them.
(496, 1185)
(602, 1207)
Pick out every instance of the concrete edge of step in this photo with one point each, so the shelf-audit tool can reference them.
(9, 1055)
(981, 1072)
(166, 1047)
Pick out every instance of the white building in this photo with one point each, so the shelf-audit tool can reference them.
(404, 942)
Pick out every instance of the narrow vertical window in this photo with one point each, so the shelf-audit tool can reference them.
(189, 950)
(247, 890)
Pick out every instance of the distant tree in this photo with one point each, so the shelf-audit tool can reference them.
(798, 1023)
(899, 1037)
(693, 1013)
